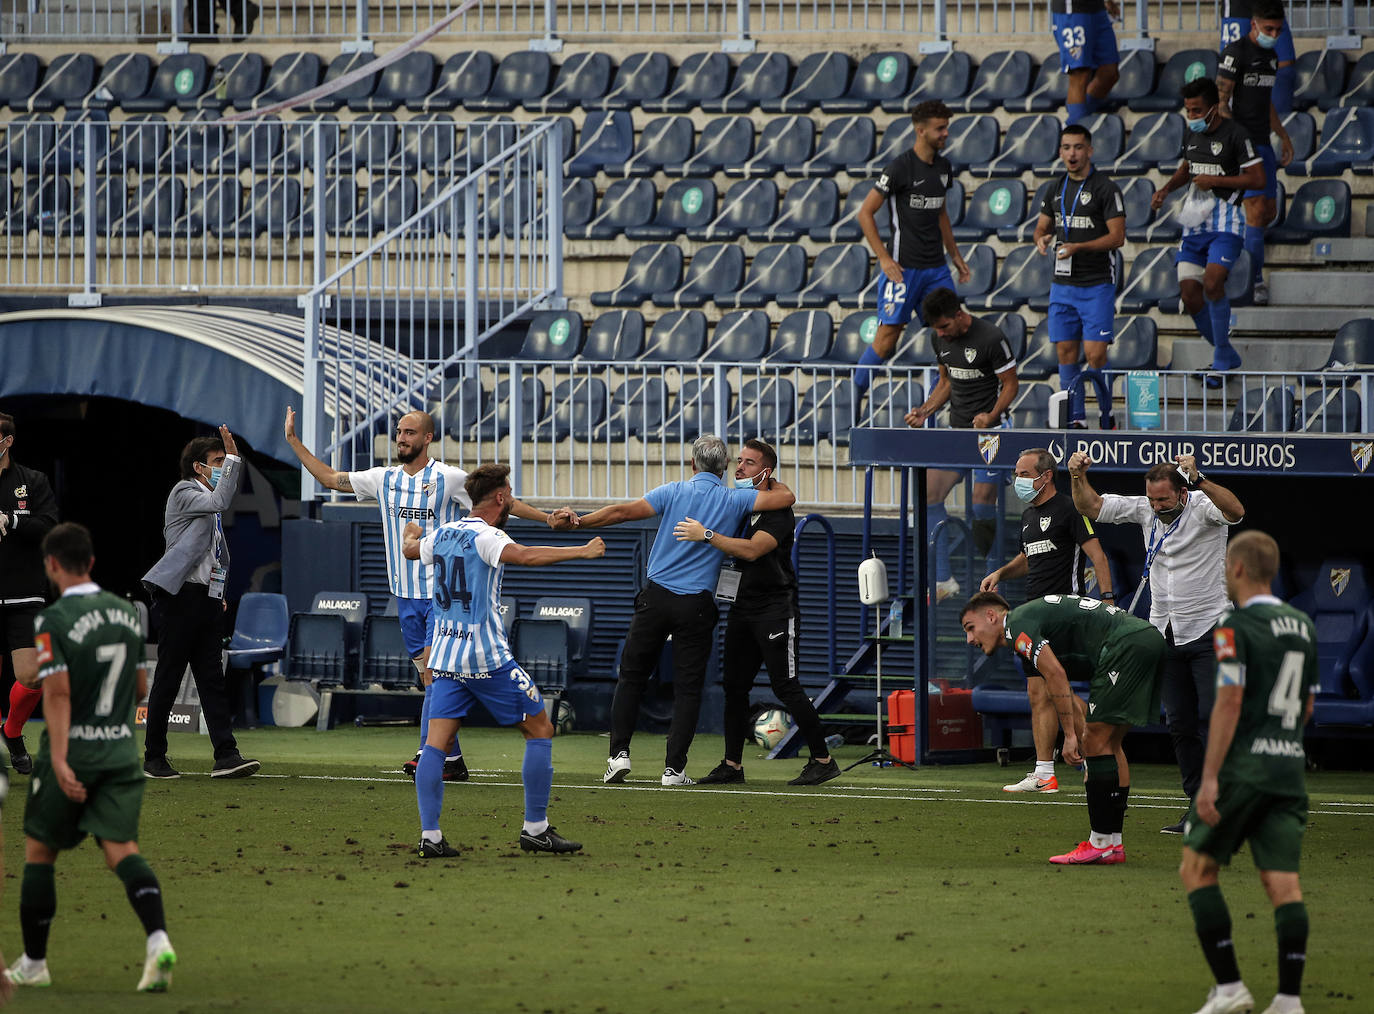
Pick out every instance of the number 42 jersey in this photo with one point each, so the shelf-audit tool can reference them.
(466, 559)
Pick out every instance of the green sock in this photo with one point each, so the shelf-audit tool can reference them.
(1212, 920)
(145, 894)
(1290, 925)
(37, 906)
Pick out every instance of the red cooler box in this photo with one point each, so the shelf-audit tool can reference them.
(954, 725)
(901, 720)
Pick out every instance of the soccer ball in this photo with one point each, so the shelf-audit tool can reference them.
(564, 718)
(770, 727)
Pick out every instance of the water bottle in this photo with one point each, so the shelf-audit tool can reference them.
(833, 741)
(894, 619)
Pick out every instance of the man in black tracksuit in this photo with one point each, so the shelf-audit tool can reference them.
(762, 629)
(27, 511)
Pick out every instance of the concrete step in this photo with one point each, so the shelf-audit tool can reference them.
(1318, 288)
(1344, 251)
(1256, 354)
(1294, 320)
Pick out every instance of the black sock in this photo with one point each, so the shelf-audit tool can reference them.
(1118, 797)
(145, 895)
(37, 906)
(1101, 788)
(1212, 920)
(1290, 924)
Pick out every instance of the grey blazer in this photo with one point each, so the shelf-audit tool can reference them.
(189, 526)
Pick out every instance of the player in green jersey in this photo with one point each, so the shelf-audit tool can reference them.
(88, 777)
(1063, 637)
(1253, 784)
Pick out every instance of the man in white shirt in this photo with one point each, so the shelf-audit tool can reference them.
(1183, 518)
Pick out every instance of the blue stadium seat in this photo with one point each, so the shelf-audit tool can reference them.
(687, 204)
(579, 202)
(19, 76)
(677, 337)
(385, 659)
(212, 205)
(261, 626)
(1334, 410)
(915, 346)
(716, 267)
(465, 77)
(741, 336)
(520, 77)
(889, 401)
(626, 203)
(541, 648)
(607, 140)
(153, 206)
(1135, 344)
(460, 410)
(372, 140)
(803, 336)
(273, 207)
(943, 76)
(1152, 279)
(808, 205)
(124, 78)
(1182, 67)
(486, 137)
(839, 271)
(358, 91)
(578, 614)
(291, 74)
(1001, 76)
(747, 204)
(109, 202)
(69, 151)
(496, 423)
(1137, 78)
(1320, 78)
(1161, 226)
(1337, 602)
(1023, 230)
(640, 80)
(760, 77)
(250, 144)
(898, 137)
(236, 79)
(1320, 208)
(553, 336)
(855, 333)
(1048, 91)
(317, 649)
(844, 140)
(69, 79)
(700, 78)
(826, 412)
(1031, 141)
(1031, 409)
(299, 137)
(425, 144)
(1353, 346)
(1347, 140)
(582, 79)
(637, 405)
(819, 76)
(576, 408)
(1041, 361)
(615, 337)
(1156, 142)
(179, 79)
(30, 141)
(1302, 131)
(972, 140)
(880, 77)
(664, 141)
(1264, 410)
(1109, 137)
(725, 140)
(1013, 325)
(1136, 194)
(785, 139)
(352, 608)
(846, 228)
(1359, 90)
(997, 204)
(386, 203)
(407, 80)
(982, 263)
(1025, 275)
(693, 410)
(777, 268)
(766, 405)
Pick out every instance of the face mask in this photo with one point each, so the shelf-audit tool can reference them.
(1024, 487)
(215, 473)
(751, 483)
(1265, 41)
(1199, 125)
(1171, 515)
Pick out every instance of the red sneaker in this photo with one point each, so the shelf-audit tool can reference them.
(1082, 854)
(1117, 855)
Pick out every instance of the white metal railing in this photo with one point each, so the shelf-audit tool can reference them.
(482, 250)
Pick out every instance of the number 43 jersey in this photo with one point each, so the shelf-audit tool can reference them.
(466, 559)
(1269, 649)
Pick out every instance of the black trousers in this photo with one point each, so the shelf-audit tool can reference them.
(691, 622)
(749, 644)
(1189, 690)
(190, 625)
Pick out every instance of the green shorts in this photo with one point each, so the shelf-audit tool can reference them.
(1273, 825)
(1126, 686)
(114, 798)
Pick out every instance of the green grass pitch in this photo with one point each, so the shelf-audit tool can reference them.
(884, 890)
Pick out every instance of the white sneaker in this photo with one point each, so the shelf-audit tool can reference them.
(671, 777)
(157, 967)
(617, 768)
(944, 589)
(1260, 295)
(1236, 1001)
(1282, 1005)
(26, 972)
(1033, 783)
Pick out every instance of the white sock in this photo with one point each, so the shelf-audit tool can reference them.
(1116, 838)
(157, 941)
(434, 836)
(1099, 841)
(1044, 769)
(1286, 1002)
(536, 826)
(1230, 988)
(456, 756)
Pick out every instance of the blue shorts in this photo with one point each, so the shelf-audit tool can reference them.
(508, 693)
(1238, 28)
(1082, 312)
(417, 624)
(1085, 41)
(1204, 248)
(897, 301)
(1271, 173)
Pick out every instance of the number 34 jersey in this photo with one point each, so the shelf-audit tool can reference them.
(1269, 649)
(466, 559)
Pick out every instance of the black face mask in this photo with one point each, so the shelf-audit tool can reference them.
(1171, 515)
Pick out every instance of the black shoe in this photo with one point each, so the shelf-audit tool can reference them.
(408, 768)
(234, 766)
(456, 769)
(816, 772)
(157, 767)
(1174, 828)
(1211, 379)
(440, 849)
(548, 840)
(723, 774)
(19, 755)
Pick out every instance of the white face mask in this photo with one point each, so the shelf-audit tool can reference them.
(753, 483)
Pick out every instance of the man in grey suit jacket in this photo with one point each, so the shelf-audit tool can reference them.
(187, 586)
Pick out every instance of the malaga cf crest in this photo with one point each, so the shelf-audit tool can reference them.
(1085, 199)
(1216, 147)
(987, 447)
(1362, 451)
(1340, 579)
(1044, 524)
(970, 355)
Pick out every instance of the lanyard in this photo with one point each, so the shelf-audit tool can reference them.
(1063, 214)
(1152, 550)
(219, 539)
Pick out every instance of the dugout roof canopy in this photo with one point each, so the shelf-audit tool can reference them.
(232, 365)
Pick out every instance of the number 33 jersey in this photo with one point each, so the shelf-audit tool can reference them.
(466, 560)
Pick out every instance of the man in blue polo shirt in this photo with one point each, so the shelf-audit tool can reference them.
(678, 599)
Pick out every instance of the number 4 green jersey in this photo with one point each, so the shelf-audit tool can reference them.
(94, 637)
(1269, 649)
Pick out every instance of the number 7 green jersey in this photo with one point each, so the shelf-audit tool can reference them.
(95, 638)
(1269, 649)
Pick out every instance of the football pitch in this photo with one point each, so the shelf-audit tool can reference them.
(885, 890)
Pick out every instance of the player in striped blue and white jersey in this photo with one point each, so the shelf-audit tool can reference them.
(471, 658)
(1221, 162)
(428, 493)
